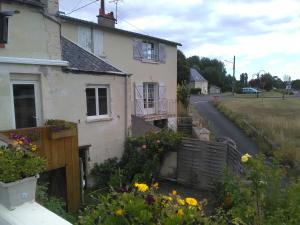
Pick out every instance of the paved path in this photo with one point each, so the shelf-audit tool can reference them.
(221, 126)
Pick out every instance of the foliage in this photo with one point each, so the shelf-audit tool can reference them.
(18, 160)
(56, 205)
(141, 160)
(296, 84)
(212, 70)
(195, 91)
(183, 71)
(106, 173)
(58, 125)
(183, 94)
(244, 79)
(261, 197)
(143, 205)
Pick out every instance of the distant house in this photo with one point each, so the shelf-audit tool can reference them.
(198, 81)
(214, 90)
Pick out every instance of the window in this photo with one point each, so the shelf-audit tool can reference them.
(3, 29)
(149, 51)
(97, 98)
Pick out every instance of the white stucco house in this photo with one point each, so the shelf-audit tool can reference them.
(198, 81)
(57, 67)
(46, 76)
(151, 61)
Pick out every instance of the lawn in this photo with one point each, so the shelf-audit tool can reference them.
(278, 119)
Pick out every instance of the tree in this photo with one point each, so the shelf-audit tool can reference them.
(296, 84)
(278, 83)
(244, 79)
(266, 81)
(183, 72)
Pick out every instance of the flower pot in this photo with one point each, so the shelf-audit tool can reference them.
(63, 133)
(17, 193)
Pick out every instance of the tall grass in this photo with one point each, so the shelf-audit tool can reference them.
(277, 119)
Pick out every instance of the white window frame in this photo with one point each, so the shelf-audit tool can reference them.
(37, 97)
(108, 100)
(152, 56)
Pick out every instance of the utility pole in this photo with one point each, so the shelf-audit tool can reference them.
(233, 73)
(116, 2)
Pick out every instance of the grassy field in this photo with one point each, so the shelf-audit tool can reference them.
(264, 94)
(278, 119)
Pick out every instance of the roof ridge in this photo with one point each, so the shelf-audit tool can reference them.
(74, 19)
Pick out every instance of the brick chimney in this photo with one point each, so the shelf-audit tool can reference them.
(51, 6)
(105, 19)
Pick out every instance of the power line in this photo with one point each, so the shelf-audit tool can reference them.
(76, 5)
(74, 10)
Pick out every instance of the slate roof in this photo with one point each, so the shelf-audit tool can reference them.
(37, 3)
(125, 32)
(196, 76)
(81, 60)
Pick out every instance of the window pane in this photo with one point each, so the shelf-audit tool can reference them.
(24, 103)
(102, 97)
(91, 101)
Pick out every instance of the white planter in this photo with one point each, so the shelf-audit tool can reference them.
(17, 193)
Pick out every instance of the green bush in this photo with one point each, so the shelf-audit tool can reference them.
(183, 94)
(56, 205)
(263, 196)
(140, 162)
(143, 205)
(58, 125)
(195, 91)
(17, 163)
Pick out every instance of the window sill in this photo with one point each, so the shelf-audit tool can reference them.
(149, 61)
(98, 119)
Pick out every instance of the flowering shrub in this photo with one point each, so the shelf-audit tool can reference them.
(140, 162)
(59, 125)
(143, 205)
(263, 196)
(19, 161)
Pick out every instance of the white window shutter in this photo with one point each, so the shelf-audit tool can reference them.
(139, 99)
(85, 38)
(162, 99)
(98, 43)
(137, 49)
(162, 53)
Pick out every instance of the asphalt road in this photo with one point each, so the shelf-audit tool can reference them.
(221, 126)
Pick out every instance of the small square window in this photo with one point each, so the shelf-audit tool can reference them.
(97, 98)
(150, 51)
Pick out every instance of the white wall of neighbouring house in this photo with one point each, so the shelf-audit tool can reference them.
(63, 96)
(30, 34)
(203, 85)
(118, 50)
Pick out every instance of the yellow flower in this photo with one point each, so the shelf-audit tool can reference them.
(191, 201)
(155, 185)
(119, 212)
(245, 158)
(174, 192)
(33, 148)
(141, 187)
(180, 213)
(180, 201)
(19, 142)
(167, 198)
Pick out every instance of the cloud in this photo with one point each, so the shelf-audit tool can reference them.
(259, 32)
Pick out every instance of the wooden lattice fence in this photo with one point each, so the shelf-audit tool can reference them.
(201, 163)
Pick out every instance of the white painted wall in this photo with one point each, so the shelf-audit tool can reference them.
(64, 97)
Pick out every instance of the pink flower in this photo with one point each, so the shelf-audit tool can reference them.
(158, 141)
(144, 146)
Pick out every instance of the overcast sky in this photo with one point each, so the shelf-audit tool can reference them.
(262, 34)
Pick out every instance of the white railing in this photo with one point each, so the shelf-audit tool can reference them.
(159, 107)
